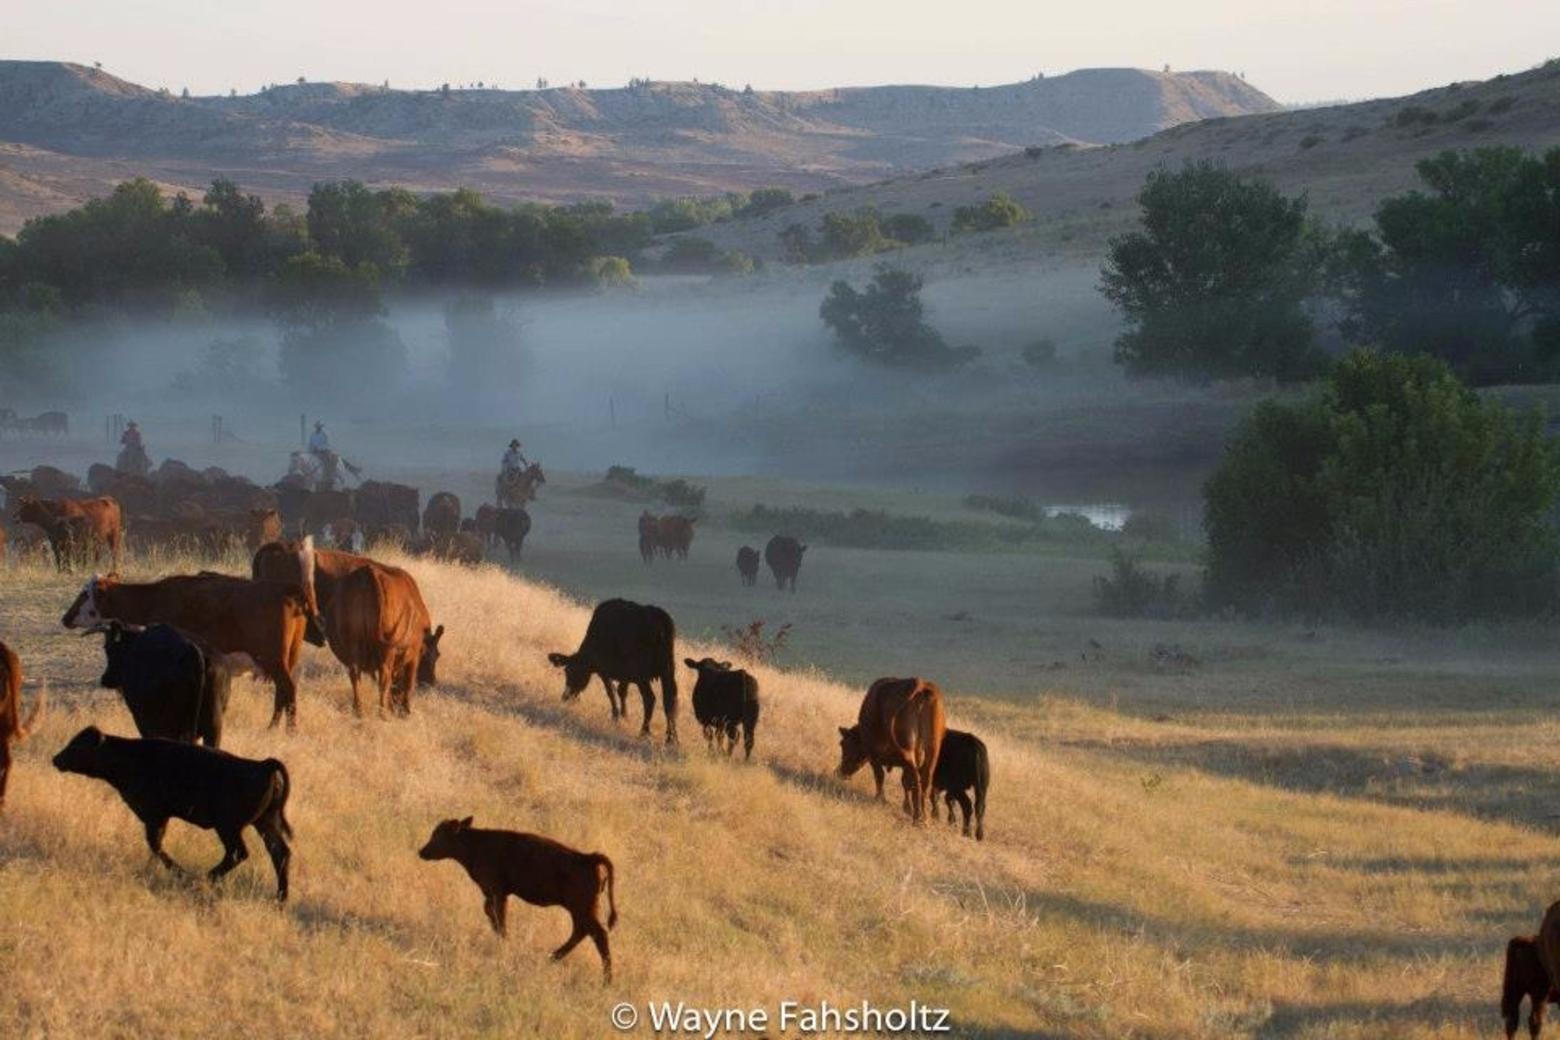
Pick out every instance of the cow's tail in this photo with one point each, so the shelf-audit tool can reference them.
(33, 716)
(281, 787)
(605, 880)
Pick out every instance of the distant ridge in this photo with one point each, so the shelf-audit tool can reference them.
(63, 122)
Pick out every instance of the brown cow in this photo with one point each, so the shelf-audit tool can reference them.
(487, 524)
(649, 535)
(67, 521)
(265, 620)
(674, 534)
(442, 517)
(374, 617)
(540, 871)
(12, 728)
(1525, 977)
(377, 623)
(900, 726)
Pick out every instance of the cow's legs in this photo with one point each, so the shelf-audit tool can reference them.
(5, 767)
(276, 845)
(385, 677)
(353, 675)
(612, 698)
(669, 705)
(965, 807)
(598, 935)
(648, 700)
(155, 829)
(731, 738)
(580, 931)
(877, 778)
(494, 905)
(235, 852)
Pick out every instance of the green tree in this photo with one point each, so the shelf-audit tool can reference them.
(1393, 491)
(358, 226)
(886, 322)
(1215, 283)
(766, 200)
(910, 228)
(1468, 271)
(334, 339)
(999, 211)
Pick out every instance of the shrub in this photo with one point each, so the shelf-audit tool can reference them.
(998, 211)
(910, 228)
(1016, 506)
(1134, 591)
(610, 272)
(1393, 492)
(1311, 140)
(751, 644)
(886, 322)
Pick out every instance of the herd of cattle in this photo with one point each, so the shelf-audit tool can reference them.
(172, 647)
(179, 509)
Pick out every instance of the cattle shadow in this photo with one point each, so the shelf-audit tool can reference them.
(567, 722)
(1334, 945)
(1427, 1015)
(1513, 794)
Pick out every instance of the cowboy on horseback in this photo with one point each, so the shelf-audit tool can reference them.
(132, 452)
(517, 478)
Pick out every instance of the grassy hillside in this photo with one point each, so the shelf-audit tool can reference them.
(1346, 158)
(1340, 872)
(568, 143)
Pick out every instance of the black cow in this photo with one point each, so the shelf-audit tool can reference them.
(162, 780)
(626, 643)
(175, 688)
(512, 525)
(784, 556)
(723, 699)
(961, 764)
(747, 564)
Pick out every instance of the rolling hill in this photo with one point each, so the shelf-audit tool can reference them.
(1344, 157)
(67, 131)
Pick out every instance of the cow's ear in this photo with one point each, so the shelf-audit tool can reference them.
(438, 633)
(726, 665)
(465, 824)
(558, 660)
(691, 663)
(844, 731)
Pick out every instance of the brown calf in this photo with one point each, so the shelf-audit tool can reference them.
(71, 522)
(900, 726)
(12, 728)
(538, 870)
(1525, 977)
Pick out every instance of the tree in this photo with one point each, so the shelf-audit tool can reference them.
(998, 211)
(484, 344)
(1393, 491)
(355, 224)
(333, 338)
(1468, 271)
(1215, 283)
(766, 200)
(910, 228)
(886, 322)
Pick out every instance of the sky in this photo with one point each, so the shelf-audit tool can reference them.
(1296, 50)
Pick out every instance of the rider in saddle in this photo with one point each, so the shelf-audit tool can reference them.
(319, 447)
(132, 451)
(514, 462)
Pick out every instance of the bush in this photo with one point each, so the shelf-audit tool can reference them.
(1016, 506)
(1149, 526)
(1135, 592)
(751, 644)
(998, 211)
(1394, 492)
(910, 228)
(610, 272)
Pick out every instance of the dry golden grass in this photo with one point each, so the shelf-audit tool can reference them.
(1134, 883)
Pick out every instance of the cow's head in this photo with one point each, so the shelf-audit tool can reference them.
(853, 751)
(427, 665)
(118, 638)
(445, 841)
(576, 673)
(84, 753)
(86, 610)
(707, 664)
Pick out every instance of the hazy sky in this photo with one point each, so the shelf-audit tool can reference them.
(1296, 50)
